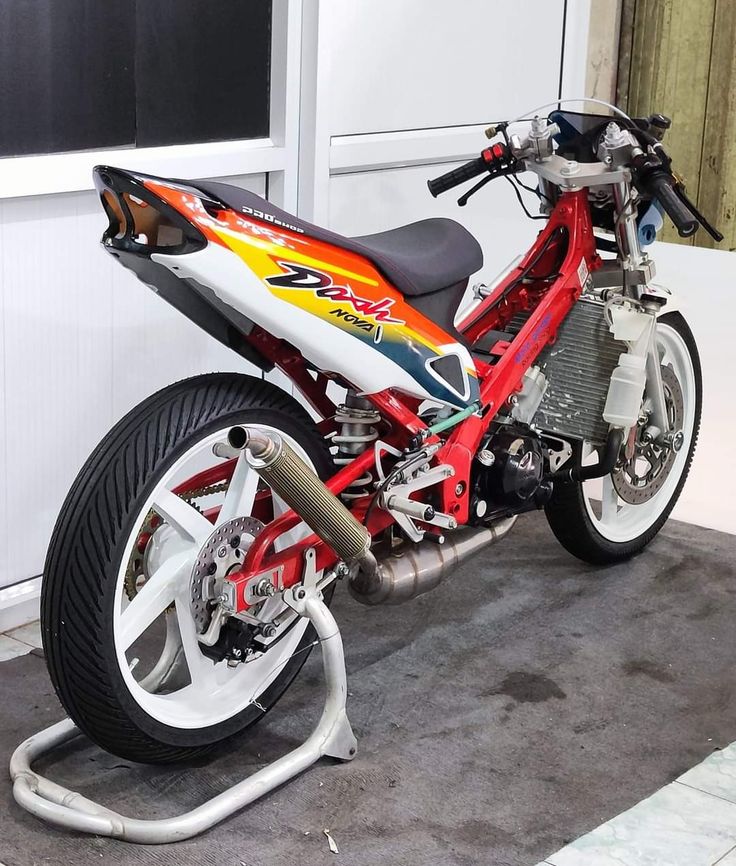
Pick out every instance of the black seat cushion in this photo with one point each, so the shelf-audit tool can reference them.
(430, 254)
(418, 258)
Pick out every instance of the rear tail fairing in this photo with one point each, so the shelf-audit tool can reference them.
(331, 303)
(127, 203)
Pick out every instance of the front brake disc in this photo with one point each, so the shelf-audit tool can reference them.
(641, 477)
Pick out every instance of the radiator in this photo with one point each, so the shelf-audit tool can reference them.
(578, 368)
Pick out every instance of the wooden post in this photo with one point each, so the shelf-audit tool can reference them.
(665, 66)
(717, 198)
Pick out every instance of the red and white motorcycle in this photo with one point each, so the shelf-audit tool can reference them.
(175, 595)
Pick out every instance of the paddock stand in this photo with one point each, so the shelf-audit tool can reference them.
(332, 737)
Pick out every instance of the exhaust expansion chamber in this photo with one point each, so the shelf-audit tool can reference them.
(421, 567)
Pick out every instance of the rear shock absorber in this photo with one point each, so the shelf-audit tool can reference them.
(356, 417)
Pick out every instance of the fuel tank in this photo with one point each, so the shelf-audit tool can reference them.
(247, 268)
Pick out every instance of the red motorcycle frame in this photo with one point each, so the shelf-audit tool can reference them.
(547, 298)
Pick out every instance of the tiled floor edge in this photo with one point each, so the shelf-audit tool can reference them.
(703, 791)
(728, 858)
(590, 854)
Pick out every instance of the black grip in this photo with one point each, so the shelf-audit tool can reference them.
(457, 176)
(662, 186)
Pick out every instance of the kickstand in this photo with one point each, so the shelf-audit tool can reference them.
(332, 737)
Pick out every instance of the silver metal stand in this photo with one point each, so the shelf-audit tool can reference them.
(333, 736)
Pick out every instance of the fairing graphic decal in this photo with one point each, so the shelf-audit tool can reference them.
(305, 279)
(338, 287)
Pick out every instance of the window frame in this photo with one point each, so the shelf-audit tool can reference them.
(276, 156)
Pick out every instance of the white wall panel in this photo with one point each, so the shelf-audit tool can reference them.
(430, 63)
(4, 498)
(377, 200)
(704, 282)
(82, 342)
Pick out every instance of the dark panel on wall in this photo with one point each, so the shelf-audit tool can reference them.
(202, 70)
(66, 75)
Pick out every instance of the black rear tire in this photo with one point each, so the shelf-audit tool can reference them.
(88, 543)
(567, 514)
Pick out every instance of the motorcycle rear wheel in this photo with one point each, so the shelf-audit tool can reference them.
(120, 630)
(590, 519)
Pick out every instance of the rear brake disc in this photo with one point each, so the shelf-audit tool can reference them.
(221, 554)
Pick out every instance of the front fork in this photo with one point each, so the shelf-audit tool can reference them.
(654, 390)
(636, 323)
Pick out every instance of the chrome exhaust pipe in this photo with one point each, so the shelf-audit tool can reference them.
(422, 567)
(289, 476)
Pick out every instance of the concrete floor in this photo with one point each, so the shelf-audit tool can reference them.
(526, 701)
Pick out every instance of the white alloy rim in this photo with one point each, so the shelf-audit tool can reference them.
(215, 692)
(619, 521)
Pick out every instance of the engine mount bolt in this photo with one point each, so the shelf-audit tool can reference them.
(486, 457)
(460, 488)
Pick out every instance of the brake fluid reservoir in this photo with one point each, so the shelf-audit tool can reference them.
(625, 392)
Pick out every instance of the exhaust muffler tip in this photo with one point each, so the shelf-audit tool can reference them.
(259, 444)
(237, 438)
(286, 473)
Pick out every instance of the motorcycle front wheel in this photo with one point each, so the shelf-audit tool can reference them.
(135, 567)
(611, 519)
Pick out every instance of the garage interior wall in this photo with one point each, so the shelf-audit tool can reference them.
(680, 57)
(81, 340)
(368, 101)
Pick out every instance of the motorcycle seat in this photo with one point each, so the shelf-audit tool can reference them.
(418, 259)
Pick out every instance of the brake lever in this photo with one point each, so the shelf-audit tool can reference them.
(712, 230)
(463, 200)
(509, 169)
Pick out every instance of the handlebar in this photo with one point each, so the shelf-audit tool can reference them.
(636, 148)
(458, 175)
(662, 186)
(496, 159)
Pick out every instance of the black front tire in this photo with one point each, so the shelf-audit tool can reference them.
(566, 511)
